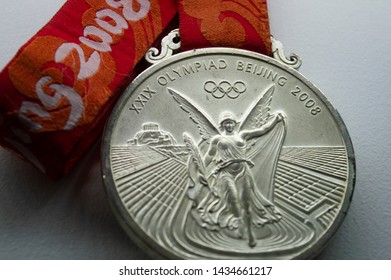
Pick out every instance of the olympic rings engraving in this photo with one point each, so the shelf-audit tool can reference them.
(225, 88)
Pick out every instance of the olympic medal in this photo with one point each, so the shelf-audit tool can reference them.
(227, 154)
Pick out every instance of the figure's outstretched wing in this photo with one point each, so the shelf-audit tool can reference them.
(205, 126)
(259, 113)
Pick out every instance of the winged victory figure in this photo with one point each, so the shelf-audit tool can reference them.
(226, 194)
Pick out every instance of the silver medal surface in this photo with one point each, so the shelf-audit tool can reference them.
(227, 154)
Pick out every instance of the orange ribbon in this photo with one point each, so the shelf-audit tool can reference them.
(225, 23)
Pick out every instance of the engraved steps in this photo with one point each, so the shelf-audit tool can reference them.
(310, 183)
(151, 192)
(127, 159)
(327, 160)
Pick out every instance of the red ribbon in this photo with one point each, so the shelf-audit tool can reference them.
(231, 23)
(57, 92)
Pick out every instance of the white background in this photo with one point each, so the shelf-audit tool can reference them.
(346, 51)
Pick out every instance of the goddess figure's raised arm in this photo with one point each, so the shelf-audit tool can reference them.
(249, 134)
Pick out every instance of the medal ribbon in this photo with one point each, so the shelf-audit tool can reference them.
(240, 24)
(58, 90)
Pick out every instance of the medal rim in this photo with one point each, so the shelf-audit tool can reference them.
(137, 234)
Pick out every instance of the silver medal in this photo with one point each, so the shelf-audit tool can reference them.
(227, 154)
